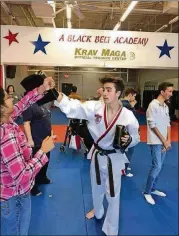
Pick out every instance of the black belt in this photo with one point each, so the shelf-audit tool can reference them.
(103, 152)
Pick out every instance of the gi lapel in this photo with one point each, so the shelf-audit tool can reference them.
(108, 128)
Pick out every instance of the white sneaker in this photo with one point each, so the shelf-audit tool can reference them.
(149, 199)
(158, 193)
(128, 168)
(130, 175)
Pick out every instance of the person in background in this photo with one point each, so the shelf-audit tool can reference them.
(18, 166)
(37, 126)
(129, 102)
(11, 92)
(158, 137)
(74, 94)
(99, 96)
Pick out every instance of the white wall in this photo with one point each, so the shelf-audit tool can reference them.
(157, 76)
(88, 82)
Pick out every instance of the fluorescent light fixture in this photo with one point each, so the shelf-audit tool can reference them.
(173, 20)
(162, 28)
(117, 26)
(68, 11)
(50, 2)
(128, 10)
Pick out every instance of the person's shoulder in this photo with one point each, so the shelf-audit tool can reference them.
(78, 96)
(96, 104)
(5, 132)
(124, 101)
(154, 103)
(126, 104)
(127, 111)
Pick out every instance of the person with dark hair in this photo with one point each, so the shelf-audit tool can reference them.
(37, 126)
(11, 92)
(158, 137)
(129, 102)
(105, 118)
(129, 99)
(74, 94)
(18, 166)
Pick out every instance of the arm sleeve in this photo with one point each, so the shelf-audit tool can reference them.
(151, 116)
(20, 170)
(74, 109)
(27, 114)
(133, 129)
(25, 102)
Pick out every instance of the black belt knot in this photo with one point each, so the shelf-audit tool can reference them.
(104, 152)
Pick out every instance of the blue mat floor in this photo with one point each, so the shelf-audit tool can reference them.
(61, 209)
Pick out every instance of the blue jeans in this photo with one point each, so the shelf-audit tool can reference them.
(129, 155)
(15, 215)
(157, 161)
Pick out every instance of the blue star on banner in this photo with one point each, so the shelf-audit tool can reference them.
(165, 49)
(40, 45)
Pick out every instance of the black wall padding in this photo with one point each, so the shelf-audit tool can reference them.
(148, 96)
(138, 99)
(10, 72)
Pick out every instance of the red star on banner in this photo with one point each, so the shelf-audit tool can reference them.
(11, 37)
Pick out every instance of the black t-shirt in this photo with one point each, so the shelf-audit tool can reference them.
(127, 104)
(40, 122)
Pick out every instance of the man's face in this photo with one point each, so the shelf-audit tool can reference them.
(110, 95)
(100, 92)
(167, 93)
(132, 97)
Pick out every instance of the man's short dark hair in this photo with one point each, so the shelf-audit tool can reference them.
(163, 86)
(130, 91)
(74, 89)
(118, 82)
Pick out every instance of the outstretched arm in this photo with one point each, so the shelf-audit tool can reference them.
(74, 109)
(32, 97)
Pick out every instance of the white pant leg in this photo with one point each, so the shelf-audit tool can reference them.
(98, 191)
(111, 223)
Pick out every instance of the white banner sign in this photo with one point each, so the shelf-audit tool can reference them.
(94, 48)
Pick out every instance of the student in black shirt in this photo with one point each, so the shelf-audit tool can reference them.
(129, 102)
(37, 126)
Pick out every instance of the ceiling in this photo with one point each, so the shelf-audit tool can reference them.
(147, 16)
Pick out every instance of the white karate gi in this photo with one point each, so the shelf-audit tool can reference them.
(96, 113)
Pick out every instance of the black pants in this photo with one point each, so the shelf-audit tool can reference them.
(43, 172)
(85, 134)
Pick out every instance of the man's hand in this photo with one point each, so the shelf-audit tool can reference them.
(31, 142)
(47, 144)
(133, 103)
(48, 83)
(167, 145)
(125, 139)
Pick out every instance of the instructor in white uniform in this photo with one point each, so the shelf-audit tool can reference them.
(106, 162)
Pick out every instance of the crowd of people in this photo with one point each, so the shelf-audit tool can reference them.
(114, 130)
